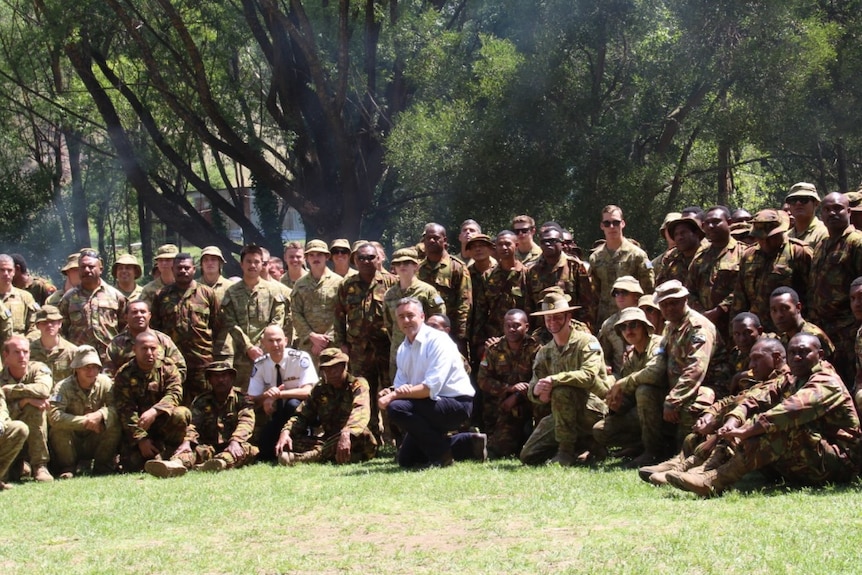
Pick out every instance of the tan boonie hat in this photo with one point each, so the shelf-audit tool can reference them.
(48, 313)
(670, 217)
(802, 189)
(687, 220)
(213, 251)
(84, 356)
(554, 301)
(481, 239)
(671, 289)
(767, 223)
(218, 366)
(633, 314)
(71, 263)
(166, 252)
(340, 243)
(855, 200)
(405, 255)
(318, 246)
(332, 356)
(128, 260)
(629, 284)
(648, 301)
(740, 229)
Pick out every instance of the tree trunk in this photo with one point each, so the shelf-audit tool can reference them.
(80, 221)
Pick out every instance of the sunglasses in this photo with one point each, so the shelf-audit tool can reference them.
(366, 258)
(340, 252)
(619, 292)
(89, 254)
(630, 325)
(612, 223)
(522, 231)
(799, 200)
(551, 241)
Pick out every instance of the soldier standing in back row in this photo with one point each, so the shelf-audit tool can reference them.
(313, 302)
(19, 302)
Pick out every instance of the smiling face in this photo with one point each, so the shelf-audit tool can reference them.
(410, 317)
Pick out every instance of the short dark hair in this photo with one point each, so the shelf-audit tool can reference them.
(782, 290)
(747, 315)
(250, 249)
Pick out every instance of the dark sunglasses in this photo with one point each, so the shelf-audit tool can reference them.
(612, 223)
(522, 231)
(630, 325)
(799, 200)
(617, 292)
(366, 258)
(551, 241)
(340, 252)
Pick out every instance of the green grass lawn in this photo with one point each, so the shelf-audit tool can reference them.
(499, 517)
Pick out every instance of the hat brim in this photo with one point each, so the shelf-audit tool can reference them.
(691, 223)
(553, 311)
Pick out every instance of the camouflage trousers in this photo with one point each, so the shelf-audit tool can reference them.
(372, 363)
(641, 425)
(167, 432)
(70, 446)
(202, 453)
(574, 412)
(801, 456)
(507, 430)
(844, 358)
(194, 385)
(319, 449)
(690, 413)
(12, 440)
(243, 366)
(36, 421)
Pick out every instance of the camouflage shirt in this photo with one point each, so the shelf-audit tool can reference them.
(69, 403)
(478, 313)
(133, 295)
(579, 363)
(23, 310)
(688, 347)
(359, 311)
(312, 306)
(189, 318)
(334, 409)
(504, 290)
(503, 367)
(149, 291)
(59, 358)
(40, 288)
(571, 275)
(5, 323)
(286, 281)
(246, 312)
(712, 276)
(93, 318)
(530, 257)
(218, 424)
(835, 264)
(452, 281)
(219, 286)
(606, 266)
(807, 327)
(815, 233)
(136, 391)
(36, 384)
(674, 266)
(613, 344)
(122, 350)
(643, 368)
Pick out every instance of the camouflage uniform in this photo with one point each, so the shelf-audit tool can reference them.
(504, 290)
(360, 327)
(70, 441)
(93, 318)
(5, 323)
(568, 273)
(133, 295)
(287, 282)
(136, 391)
(812, 436)
(815, 233)
(122, 351)
(640, 420)
(759, 274)
(36, 384)
(59, 358)
(149, 292)
(807, 327)
(332, 410)
(501, 368)
(245, 313)
(40, 288)
(613, 344)
(23, 309)
(452, 281)
(529, 258)
(213, 426)
(13, 435)
(836, 263)
(287, 322)
(606, 266)
(432, 303)
(478, 314)
(313, 308)
(219, 287)
(189, 317)
(577, 372)
(674, 266)
(712, 277)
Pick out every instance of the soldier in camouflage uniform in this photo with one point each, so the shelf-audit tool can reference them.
(505, 287)
(775, 261)
(5, 324)
(340, 406)
(555, 268)
(856, 308)
(122, 348)
(341, 252)
(634, 420)
(504, 376)
(626, 291)
(450, 278)
(164, 260)
(19, 303)
(616, 257)
(219, 434)
(745, 330)
(212, 261)
(27, 385)
(83, 421)
(247, 308)
(73, 279)
(313, 302)
(688, 238)
(481, 246)
(126, 271)
(294, 258)
(785, 309)
(188, 312)
(656, 261)
(568, 373)
(360, 329)
(94, 312)
(712, 273)
(148, 393)
(811, 437)
(50, 347)
(802, 201)
(13, 436)
(837, 261)
(40, 288)
(527, 251)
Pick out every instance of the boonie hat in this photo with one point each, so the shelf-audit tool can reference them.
(405, 255)
(71, 263)
(332, 356)
(688, 220)
(219, 366)
(648, 301)
(633, 314)
(213, 251)
(629, 284)
(84, 356)
(554, 301)
(128, 260)
(481, 239)
(670, 217)
(318, 246)
(767, 223)
(802, 189)
(48, 313)
(340, 243)
(166, 252)
(671, 289)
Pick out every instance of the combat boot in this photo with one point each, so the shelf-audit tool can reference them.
(165, 469)
(565, 456)
(42, 474)
(711, 482)
(676, 462)
(214, 465)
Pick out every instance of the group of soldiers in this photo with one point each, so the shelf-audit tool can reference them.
(735, 349)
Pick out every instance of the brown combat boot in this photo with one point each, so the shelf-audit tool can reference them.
(42, 474)
(711, 482)
(676, 462)
(566, 456)
(165, 469)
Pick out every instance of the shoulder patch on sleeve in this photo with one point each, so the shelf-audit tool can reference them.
(649, 264)
(438, 300)
(595, 346)
(45, 369)
(658, 351)
(304, 363)
(56, 398)
(697, 338)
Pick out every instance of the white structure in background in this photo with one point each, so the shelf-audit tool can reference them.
(292, 227)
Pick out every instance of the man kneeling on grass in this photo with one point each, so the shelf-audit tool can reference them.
(219, 434)
(339, 404)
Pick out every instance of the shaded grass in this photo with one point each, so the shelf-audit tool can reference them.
(375, 518)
